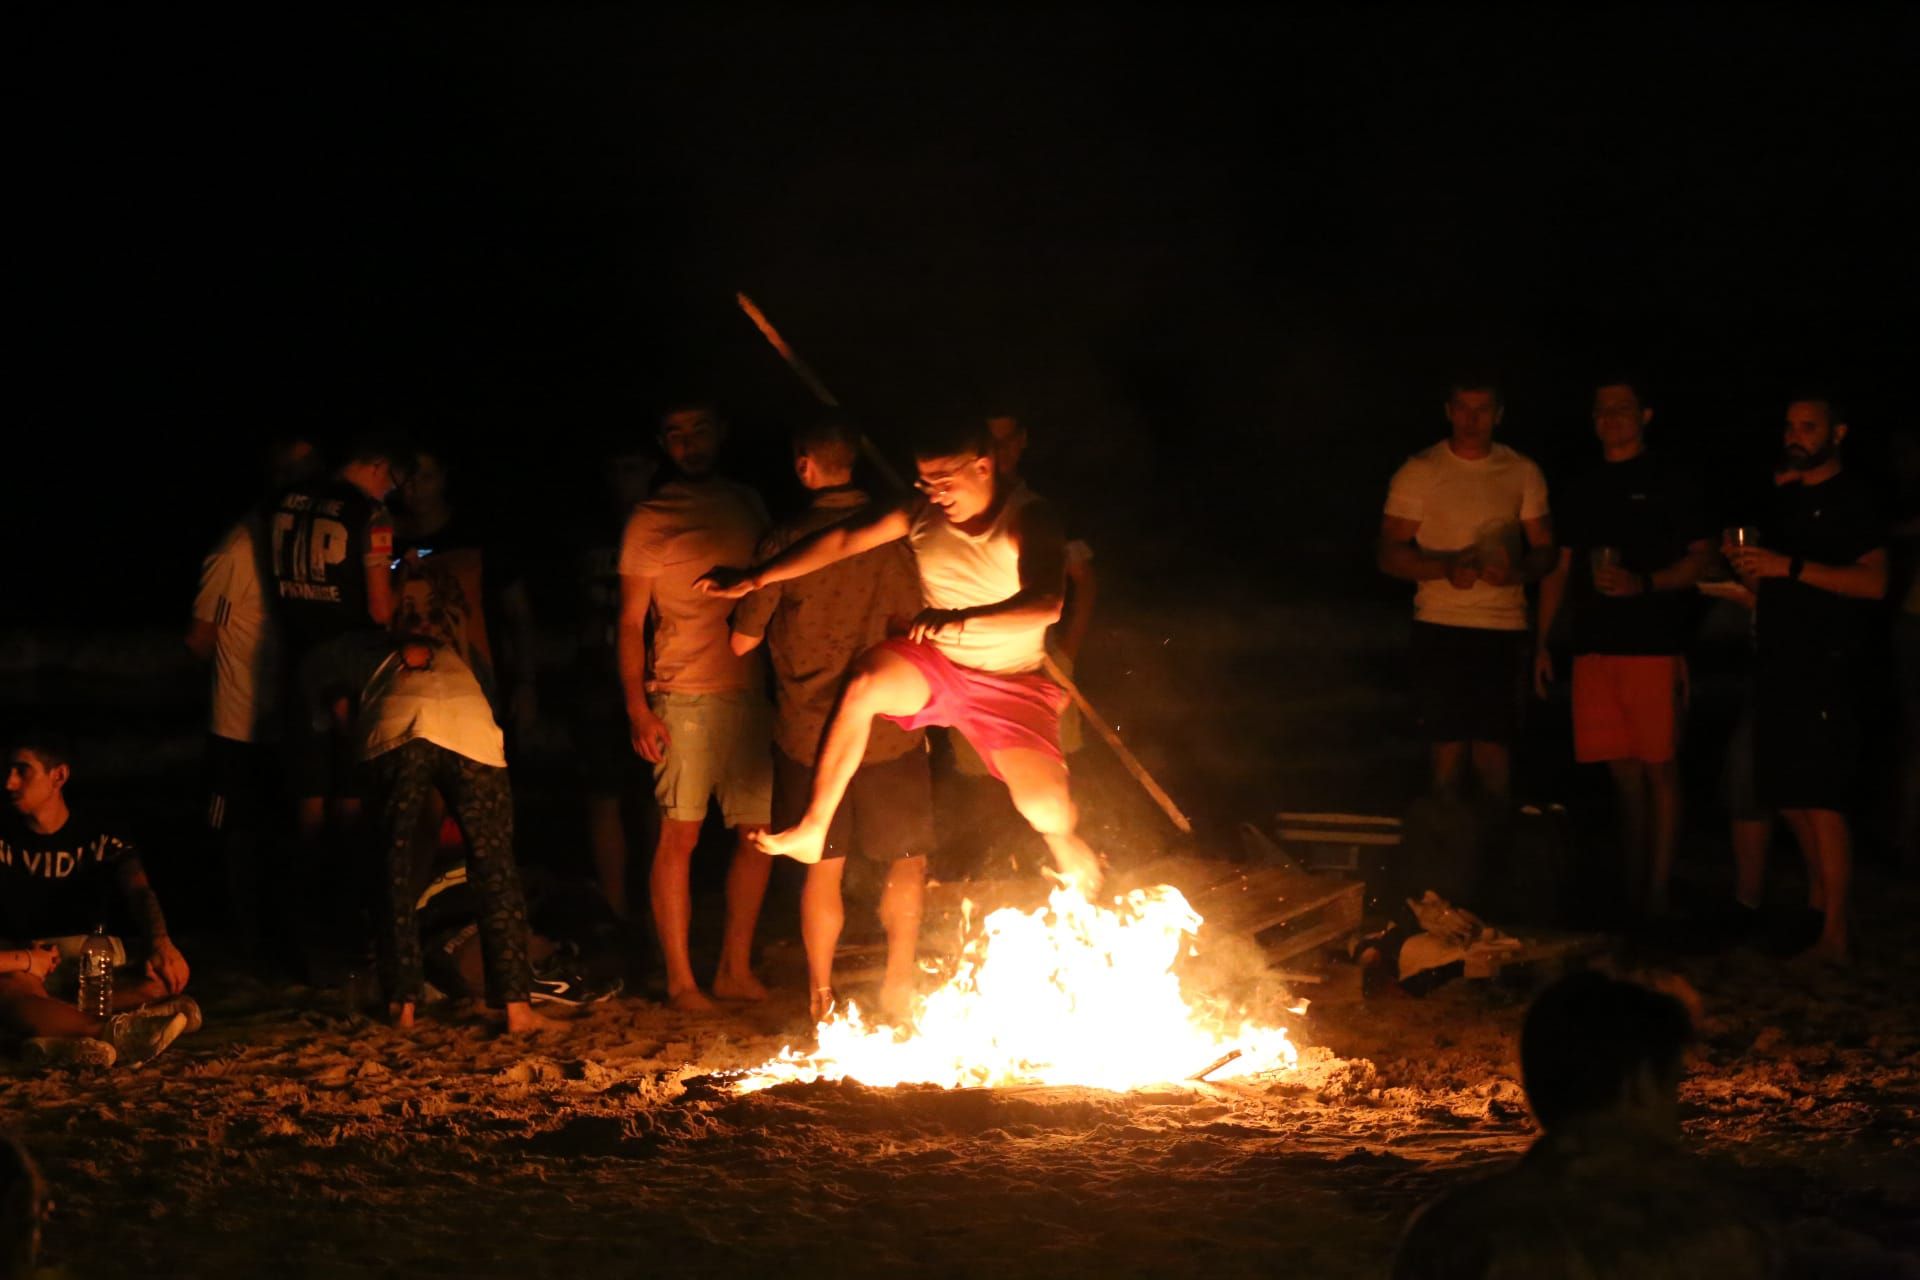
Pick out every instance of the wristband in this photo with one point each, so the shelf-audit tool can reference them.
(1794, 568)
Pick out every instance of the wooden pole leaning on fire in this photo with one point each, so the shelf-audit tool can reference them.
(1107, 733)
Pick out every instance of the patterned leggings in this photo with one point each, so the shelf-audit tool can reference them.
(478, 797)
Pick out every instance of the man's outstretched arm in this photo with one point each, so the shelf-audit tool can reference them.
(870, 527)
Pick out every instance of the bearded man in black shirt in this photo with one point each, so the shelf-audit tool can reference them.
(1817, 575)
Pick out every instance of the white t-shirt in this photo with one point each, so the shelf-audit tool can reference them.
(1479, 503)
(443, 704)
(962, 571)
(246, 648)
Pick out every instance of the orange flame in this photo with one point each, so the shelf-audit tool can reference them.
(1073, 994)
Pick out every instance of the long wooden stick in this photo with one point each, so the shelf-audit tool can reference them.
(1107, 733)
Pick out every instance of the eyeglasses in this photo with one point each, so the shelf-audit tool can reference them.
(938, 487)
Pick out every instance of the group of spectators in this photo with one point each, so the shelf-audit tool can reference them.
(372, 653)
(1626, 544)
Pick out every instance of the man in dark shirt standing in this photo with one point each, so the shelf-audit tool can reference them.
(815, 628)
(331, 549)
(330, 552)
(1634, 541)
(1821, 565)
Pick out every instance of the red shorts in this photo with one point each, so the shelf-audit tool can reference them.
(1625, 707)
(994, 712)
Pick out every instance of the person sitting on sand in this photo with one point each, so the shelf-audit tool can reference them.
(425, 725)
(1607, 1190)
(992, 562)
(57, 871)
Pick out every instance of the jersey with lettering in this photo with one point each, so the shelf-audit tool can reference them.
(60, 883)
(322, 538)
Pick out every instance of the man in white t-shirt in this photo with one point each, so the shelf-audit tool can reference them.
(1467, 521)
(234, 630)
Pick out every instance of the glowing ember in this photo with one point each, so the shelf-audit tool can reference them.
(1075, 993)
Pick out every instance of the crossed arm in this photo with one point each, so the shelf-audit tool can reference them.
(1401, 557)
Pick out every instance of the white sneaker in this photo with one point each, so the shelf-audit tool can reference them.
(175, 1004)
(69, 1051)
(139, 1037)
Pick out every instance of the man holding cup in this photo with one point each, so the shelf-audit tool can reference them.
(1821, 565)
(1635, 540)
(1467, 521)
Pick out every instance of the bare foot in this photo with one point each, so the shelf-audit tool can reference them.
(1082, 872)
(820, 1003)
(896, 1000)
(692, 1000)
(802, 844)
(738, 986)
(400, 1016)
(523, 1021)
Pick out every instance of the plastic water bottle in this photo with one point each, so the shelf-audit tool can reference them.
(96, 974)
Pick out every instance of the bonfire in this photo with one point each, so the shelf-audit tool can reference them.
(1075, 993)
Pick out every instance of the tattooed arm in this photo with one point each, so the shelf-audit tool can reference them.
(164, 960)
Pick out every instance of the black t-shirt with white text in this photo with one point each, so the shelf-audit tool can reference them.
(1649, 511)
(320, 538)
(60, 883)
(1832, 523)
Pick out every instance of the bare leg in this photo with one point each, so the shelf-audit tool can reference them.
(672, 892)
(746, 887)
(27, 1010)
(1834, 843)
(607, 838)
(1037, 783)
(1630, 796)
(1800, 822)
(1447, 759)
(883, 684)
(822, 915)
(901, 904)
(523, 1021)
(1750, 837)
(1492, 765)
(1663, 790)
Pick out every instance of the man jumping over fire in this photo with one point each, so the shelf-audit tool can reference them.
(992, 563)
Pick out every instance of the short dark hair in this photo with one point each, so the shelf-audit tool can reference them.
(380, 446)
(1586, 1036)
(831, 442)
(1819, 395)
(686, 404)
(1476, 380)
(49, 746)
(948, 437)
(1622, 378)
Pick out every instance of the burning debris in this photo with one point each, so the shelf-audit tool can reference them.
(1074, 993)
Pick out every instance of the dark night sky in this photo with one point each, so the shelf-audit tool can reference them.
(1221, 262)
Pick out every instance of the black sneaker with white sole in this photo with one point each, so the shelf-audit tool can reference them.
(571, 988)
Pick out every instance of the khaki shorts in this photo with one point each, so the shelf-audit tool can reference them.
(718, 744)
